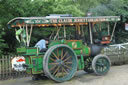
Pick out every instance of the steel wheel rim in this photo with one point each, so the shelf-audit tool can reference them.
(55, 73)
(102, 65)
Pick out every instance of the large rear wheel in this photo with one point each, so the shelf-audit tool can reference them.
(60, 63)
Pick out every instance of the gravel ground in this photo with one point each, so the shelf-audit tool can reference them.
(118, 75)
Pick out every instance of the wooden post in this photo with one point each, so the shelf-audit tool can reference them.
(6, 67)
(6, 71)
(3, 71)
(0, 68)
(10, 66)
(16, 73)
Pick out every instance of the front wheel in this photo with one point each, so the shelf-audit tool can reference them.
(60, 63)
(88, 65)
(101, 64)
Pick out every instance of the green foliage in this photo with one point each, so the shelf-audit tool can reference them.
(2, 41)
(10, 9)
(28, 8)
(114, 8)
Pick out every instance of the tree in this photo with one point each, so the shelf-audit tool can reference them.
(114, 8)
(28, 8)
(2, 42)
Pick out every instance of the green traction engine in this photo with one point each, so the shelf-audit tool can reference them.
(65, 54)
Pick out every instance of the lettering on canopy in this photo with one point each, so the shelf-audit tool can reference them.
(68, 20)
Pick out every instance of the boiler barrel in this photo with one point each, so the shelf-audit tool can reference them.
(95, 49)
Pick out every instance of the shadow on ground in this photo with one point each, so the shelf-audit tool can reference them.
(80, 76)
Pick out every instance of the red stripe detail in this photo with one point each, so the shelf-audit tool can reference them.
(20, 60)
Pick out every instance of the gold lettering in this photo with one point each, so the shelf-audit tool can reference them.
(60, 20)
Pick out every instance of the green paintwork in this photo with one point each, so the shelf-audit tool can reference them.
(28, 51)
(39, 61)
(86, 50)
(79, 64)
(76, 45)
(28, 62)
(82, 61)
(61, 20)
(35, 64)
(21, 50)
(32, 53)
(69, 20)
(33, 58)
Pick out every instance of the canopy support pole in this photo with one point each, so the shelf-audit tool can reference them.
(30, 35)
(24, 35)
(27, 35)
(17, 37)
(94, 27)
(83, 31)
(113, 31)
(100, 27)
(90, 29)
(51, 35)
(64, 32)
(58, 29)
(79, 30)
(108, 29)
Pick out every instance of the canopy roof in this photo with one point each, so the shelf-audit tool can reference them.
(52, 21)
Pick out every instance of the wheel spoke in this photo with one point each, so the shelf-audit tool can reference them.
(64, 55)
(99, 64)
(103, 61)
(67, 58)
(62, 71)
(52, 59)
(55, 55)
(100, 68)
(58, 52)
(68, 62)
(56, 70)
(57, 74)
(53, 68)
(67, 66)
(65, 70)
(88, 65)
(53, 63)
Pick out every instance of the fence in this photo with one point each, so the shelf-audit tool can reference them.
(117, 53)
(6, 71)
